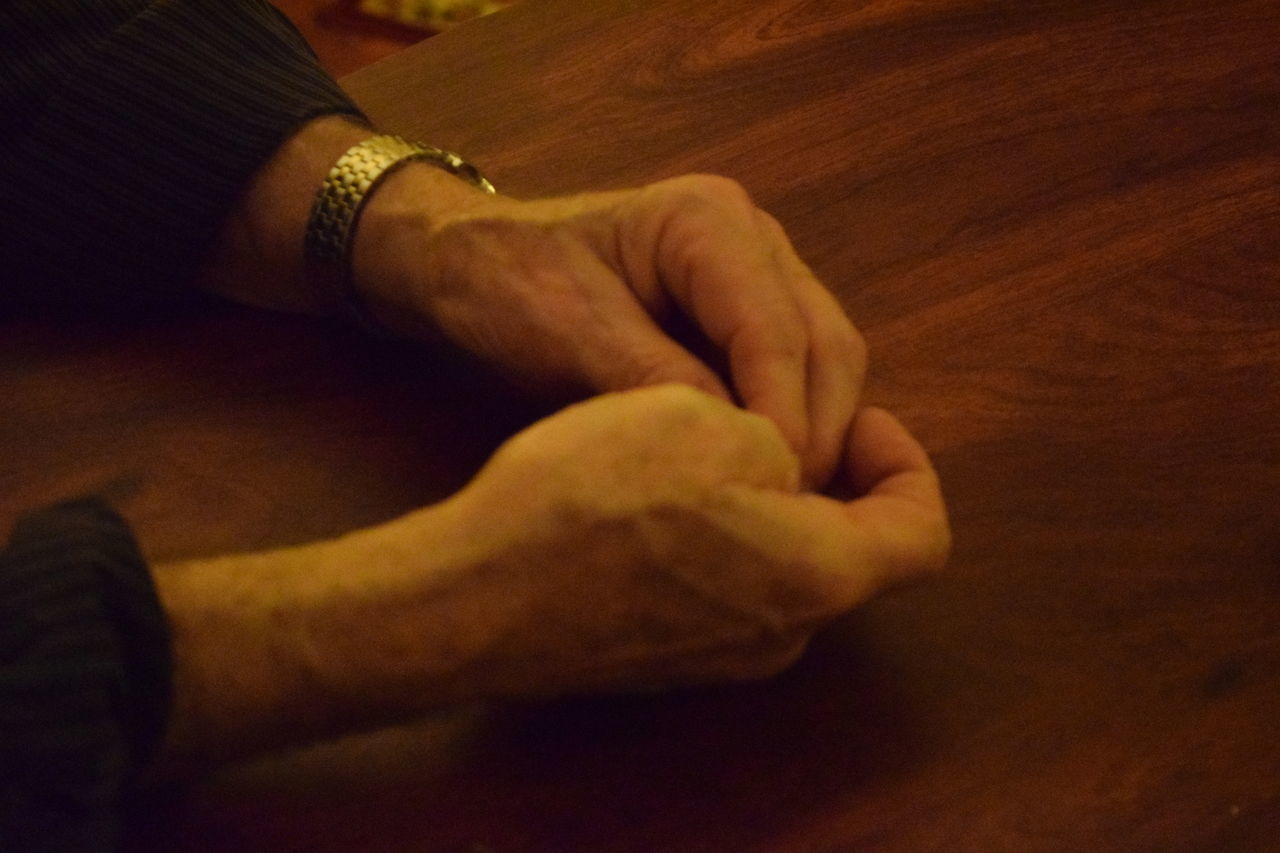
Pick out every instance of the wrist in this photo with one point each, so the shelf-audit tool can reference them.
(390, 268)
(343, 201)
(257, 257)
(260, 254)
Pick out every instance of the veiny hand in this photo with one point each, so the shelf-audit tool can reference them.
(569, 294)
(659, 537)
(572, 293)
(647, 538)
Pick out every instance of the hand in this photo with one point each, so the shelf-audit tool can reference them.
(571, 294)
(659, 538)
(642, 539)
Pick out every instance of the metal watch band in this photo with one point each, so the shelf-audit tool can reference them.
(336, 212)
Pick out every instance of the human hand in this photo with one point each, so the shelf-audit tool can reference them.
(650, 538)
(571, 294)
(659, 537)
(568, 294)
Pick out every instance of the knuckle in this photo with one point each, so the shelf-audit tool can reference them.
(842, 339)
(703, 198)
(769, 223)
(852, 341)
(714, 188)
(774, 230)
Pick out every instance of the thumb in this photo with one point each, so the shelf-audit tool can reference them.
(901, 519)
(897, 529)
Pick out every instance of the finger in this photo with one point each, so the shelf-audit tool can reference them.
(723, 276)
(836, 363)
(841, 553)
(901, 520)
(834, 383)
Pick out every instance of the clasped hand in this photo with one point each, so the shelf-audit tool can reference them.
(668, 531)
(571, 294)
(662, 535)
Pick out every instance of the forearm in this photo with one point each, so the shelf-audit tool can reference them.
(288, 647)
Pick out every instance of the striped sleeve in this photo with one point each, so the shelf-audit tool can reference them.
(133, 125)
(84, 677)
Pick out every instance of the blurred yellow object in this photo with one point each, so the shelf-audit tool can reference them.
(430, 14)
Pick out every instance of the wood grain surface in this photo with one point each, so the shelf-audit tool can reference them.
(1058, 224)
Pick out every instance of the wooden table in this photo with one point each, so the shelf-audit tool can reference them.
(1058, 224)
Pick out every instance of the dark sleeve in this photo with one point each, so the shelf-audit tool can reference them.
(84, 677)
(130, 126)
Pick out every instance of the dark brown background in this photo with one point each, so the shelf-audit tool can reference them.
(1058, 224)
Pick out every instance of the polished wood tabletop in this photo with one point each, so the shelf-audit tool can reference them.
(1058, 224)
